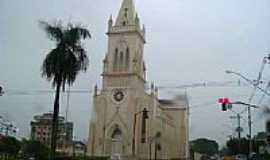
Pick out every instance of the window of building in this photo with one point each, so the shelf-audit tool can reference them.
(127, 59)
(115, 61)
(121, 61)
(126, 12)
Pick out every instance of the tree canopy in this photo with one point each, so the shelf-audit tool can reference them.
(63, 63)
(9, 145)
(35, 149)
(204, 146)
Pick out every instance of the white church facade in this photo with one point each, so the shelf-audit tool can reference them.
(131, 122)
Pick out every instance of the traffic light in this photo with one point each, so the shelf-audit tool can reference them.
(224, 107)
(1, 91)
(225, 104)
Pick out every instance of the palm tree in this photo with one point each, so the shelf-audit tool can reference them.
(63, 63)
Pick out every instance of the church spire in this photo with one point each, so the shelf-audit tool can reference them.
(126, 15)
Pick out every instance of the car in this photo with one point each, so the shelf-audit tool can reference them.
(116, 157)
(240, 157)
(255, 156)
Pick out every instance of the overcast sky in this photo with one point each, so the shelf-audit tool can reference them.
(188, 41)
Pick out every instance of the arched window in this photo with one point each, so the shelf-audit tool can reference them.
(143, 131)
(121, 61)
(117, 143)
(127, 60)
(115, 61)
(126, 12)
(117, 135)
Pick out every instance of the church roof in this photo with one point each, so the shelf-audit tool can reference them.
(127, 13)
(179, 101)
(166, 102)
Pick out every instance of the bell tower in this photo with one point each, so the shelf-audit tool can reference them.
(123, 64)
(127, 120)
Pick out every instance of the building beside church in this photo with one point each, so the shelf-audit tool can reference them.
(41, 130)
(130, 121)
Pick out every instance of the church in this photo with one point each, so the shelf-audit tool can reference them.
(130, 121)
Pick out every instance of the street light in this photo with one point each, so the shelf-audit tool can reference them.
(156, 140)
(246, 104)
(144, 117)
(157, 143)
(249, 81)
(256, 86)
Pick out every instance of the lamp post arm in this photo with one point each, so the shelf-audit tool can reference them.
(240, 75)
(245, 104)
(249, 81)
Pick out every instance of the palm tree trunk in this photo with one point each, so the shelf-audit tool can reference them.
(55, 121)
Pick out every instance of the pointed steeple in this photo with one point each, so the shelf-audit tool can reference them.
(126, 15)
(110, 23)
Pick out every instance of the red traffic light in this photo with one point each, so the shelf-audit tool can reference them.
(220, 100)
(223, 100)
(1, 91)
(224, 103)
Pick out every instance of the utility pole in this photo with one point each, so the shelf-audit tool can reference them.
(239, 126)
(249, 119)
(256, 87)
(249, 129)
(225, 105)
(238, 129)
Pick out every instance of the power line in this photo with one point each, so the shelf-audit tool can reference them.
(12, 92)
(263, 95)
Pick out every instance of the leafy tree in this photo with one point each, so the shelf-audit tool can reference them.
(10, 145)
(63, 63)
(243, 148)
(259, 140)
(204, 146)
(236, 148)
(261, 136)
(35, 149)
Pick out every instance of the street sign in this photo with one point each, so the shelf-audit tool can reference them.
(239, 129)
